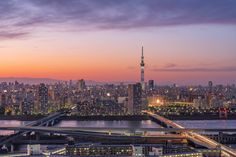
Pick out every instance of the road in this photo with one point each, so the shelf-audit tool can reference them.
(195, 137)
(113, 129)
(39, 122)
(110, 133)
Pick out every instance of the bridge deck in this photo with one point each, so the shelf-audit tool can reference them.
(195, 137)
(39, 122)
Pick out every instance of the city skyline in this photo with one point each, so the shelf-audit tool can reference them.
(191, 42)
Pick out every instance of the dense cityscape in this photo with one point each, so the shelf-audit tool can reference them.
(115, 99)
(143, 100)
(109, 78)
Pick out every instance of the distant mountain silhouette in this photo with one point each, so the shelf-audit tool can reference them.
(29, 80)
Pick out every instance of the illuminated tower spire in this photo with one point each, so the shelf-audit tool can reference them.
(142, 64)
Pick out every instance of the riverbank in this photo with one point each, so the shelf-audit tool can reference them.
(200, 117)
(111, 118)
(21, 117)
(78, 118)
(107, 118)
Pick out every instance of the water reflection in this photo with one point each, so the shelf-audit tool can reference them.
(131, 125)
(209, 124)
(108, 124)
(10, 123)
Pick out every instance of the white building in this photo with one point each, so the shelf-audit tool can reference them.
(33, 149)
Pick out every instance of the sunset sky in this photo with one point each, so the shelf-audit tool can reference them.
(185, 41)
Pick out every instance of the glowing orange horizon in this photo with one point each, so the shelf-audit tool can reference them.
(115, 56)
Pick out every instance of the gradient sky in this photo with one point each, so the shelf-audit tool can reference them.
(185, 41)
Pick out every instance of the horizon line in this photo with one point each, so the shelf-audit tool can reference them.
(54, 80)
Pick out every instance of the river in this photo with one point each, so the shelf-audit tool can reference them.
(127, 124)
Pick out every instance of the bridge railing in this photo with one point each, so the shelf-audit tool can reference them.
(39, 122)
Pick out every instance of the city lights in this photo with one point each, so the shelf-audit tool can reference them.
(115, 78)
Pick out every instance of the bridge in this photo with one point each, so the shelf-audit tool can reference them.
(41, 122)
(180, 132)
(152, 135)
(72, 130)
(111, 133)
(194, 137)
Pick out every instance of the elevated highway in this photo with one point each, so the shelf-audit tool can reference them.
(97, 132)
(172, 131)
(146, 134)
(39, 122)
(111, 130)
(195, 137)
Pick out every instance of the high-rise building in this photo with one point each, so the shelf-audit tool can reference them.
(135, 98)
(51, 93)
(151, 84)
(210, 86)
(43, 98)
(142, 64)
(27, 106)
(4, 100)
(70, 84)
(81, 85)
(210, 94)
